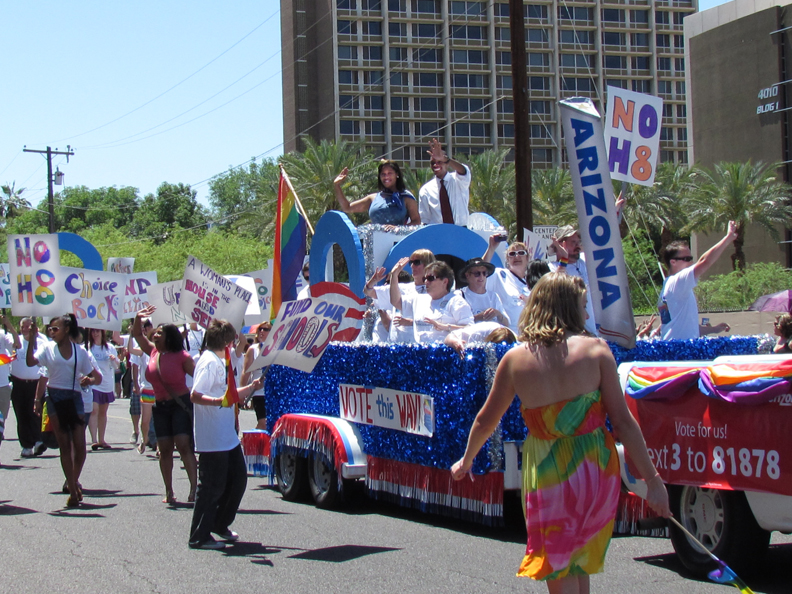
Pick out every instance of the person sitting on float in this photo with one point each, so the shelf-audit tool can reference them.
(392, 206)
(509, 283)
(486, 305)
(782, 328)
(436, 313)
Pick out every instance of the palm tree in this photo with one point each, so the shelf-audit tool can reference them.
(553, 197)
(743, 193)
(493, 187)
(12, 202)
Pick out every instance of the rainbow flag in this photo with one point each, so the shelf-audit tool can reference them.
(290, 237)
(660, 383)
(6, 359)
(231, 396)
(747, 383)
(725, 575)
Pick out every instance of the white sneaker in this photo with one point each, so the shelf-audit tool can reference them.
(39, 448)
(27, 453)
(228, 536)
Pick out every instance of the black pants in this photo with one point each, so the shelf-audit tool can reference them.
(23, 398)
(222, 480)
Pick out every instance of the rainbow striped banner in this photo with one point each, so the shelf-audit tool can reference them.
(290, 238)
(660, 383)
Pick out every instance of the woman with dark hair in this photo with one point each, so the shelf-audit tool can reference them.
(257, 398)
(393, 205)
(68, 368)
(222, 472)
(782, 328)
(103, 394)
(168, 366)
(567, 384)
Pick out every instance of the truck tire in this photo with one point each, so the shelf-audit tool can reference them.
(323, 482)
(292, 475)
(723, 522)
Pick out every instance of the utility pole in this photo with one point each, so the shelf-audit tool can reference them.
(522, 130)
(51, 197)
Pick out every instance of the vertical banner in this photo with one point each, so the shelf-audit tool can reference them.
(598, 224)
(632, 135)
(121, 265)
(94, 297)
(165, 297)
(206, 295)
(135, 291)
(34, 262)
(5, 285)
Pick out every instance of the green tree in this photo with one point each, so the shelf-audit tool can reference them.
(173, 207)
(493, 187)
(738, 289)
(12, 204)
(740, 192)
(553, 197)
(245, 199)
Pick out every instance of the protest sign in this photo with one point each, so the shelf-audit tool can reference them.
(394, 409)
(538, 246)
(632, 135)
(263, 280)
(34, 262)
(304, 328)
(5, 285)
(121, 265)
(94, 297)
(135, 288)
(206, 295)
(253, 311)
(598, 224)
(165, 297)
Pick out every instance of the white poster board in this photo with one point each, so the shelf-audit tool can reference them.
(95, 297)
(121, 265)
(136, 287)
(165, 297)
(36, 277)
(394, 409)
(206, 295)
(5, 285)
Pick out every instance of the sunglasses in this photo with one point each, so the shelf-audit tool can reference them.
(684, 259)
(430, 277)
(263, 329)
(416, 263)
(518, 253)
(477, 272)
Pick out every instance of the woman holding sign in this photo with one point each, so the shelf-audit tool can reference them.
(567, 383)
(68, 368)
(168, 367)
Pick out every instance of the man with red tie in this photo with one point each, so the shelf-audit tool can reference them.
(444, 199)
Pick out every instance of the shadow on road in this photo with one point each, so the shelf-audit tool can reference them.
(13, 510)
(341, 553)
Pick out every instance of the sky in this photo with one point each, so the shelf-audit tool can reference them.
(144, 92)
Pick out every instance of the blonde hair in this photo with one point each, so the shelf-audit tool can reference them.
(553, 310)
(424, 255)
(502, 334)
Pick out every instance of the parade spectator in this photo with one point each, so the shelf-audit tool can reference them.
(166, 371)
(782, 328)
(437, 312)
(143, 389)
(509, 283)
(257, 397)
(68, 368)
(222, 471)
(677, 302)
(23, 393)
(574, 263)
(393, 205)
(9, 340)
(445, 198)
(567, 384)
(486, 305)
(105, 356)
(536, 270)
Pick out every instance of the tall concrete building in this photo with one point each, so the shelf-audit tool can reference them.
(394, 73)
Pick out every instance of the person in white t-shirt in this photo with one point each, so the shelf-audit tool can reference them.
(677, 303)
(222, 473)
(486, 304)
(9, 340)
(574, 264)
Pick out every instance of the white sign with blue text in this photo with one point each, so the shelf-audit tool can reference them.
(394, 409)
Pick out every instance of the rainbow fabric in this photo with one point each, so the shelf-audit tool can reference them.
(725, 575)
(290, 237)
(231, 396)
(660, 383)
(6, 359)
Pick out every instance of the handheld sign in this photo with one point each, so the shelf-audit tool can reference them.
(94, 297)
(34, 261)
(206, 295)
(5, 285)
(165, 297)
(632, 135)
(598, 224)
(121, 265)
(136, 287)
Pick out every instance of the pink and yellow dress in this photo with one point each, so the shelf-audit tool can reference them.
(570, 488)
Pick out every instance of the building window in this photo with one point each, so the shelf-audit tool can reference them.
(347, 52)
(663, 40)
(639, 40)
(612, 15)
(397, 5)
(502, 10)
(664, 64)
(375, 127)
(372, 28)
(668, 110)
(427, 128)
(506, 130)
(575, 60)
(468, 32)
(642, 86)
(680, 87)
(473, 129)
(347, 77)
(346, 4)
(613, 38)
(425, 30)
(681, 111)
(397, 54)
(349, 127)
(639, 17)
(640, 62)
(429, 104)
(536, 36)
(425, 6)
(471, 56)
(348, 102)
(372, 77)
(678, 17)
(544, 156)
(397, 29)
(575, 13)
(399, 79)
(473, 81)
(372, 4)
(399, 129)
(664, 87)
(616, 82)
(539, 131)
(427, 55)
(469, 8)
(542, 107)
(679, 41)
(399, 104)
(346, 27)
(468, 105)
(682, 134)
(538, 83)
(502, 34)
(506, 106)
(661, 17)
(682, 157)
(503, 82)
(374, 102)
(537, 59)
(679, 64)
(503, 58)
(617, 62)
(574, 36)
(569, 83)
(426, 79)
(372, 52)
(666, 134)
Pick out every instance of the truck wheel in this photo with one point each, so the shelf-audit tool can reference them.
(323, 481)
(723, 522)
(291, 472)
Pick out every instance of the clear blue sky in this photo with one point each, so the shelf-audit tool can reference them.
(100, 75)
(73, 72)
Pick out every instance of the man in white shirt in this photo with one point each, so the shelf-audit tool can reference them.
(569, 238)
(23, 393)
(677, 303)
(444, 198)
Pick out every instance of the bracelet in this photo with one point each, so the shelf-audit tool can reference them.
(563, 261)
(447, 159)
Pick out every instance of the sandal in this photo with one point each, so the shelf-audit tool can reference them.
(95, 446)
(105, 446)
(141, 449)
(170, 499)
(72, 502)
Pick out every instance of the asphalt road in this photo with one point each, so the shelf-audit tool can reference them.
(123, 539)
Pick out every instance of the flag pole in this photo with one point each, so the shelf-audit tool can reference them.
(296, 199)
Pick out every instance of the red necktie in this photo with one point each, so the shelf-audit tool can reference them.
(445, 205)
